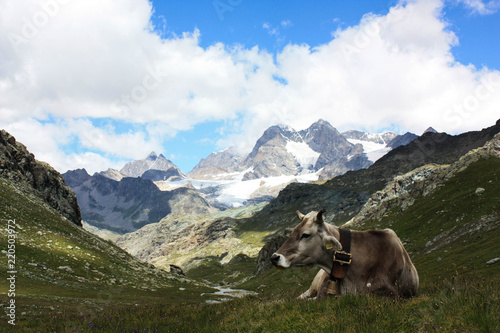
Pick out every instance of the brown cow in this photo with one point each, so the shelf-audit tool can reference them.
(380, 263)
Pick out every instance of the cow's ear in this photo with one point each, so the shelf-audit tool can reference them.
(300, 215)
(319, 217)
(331, 243)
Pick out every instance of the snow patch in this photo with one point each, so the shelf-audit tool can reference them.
(304, 155)
(373, 150)
(235, 192)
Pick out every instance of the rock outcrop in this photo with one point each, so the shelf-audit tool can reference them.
(187, 240)
(18, 165)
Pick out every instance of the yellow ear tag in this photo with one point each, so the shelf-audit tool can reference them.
(329, 245)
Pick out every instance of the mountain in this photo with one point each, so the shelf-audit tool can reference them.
(282, 156)
(283, 151)
(401, 140)
(196, 243)
(346, 194)
(423, 181)
(191, 240)
(381, 139)
(338, 155)
(221, 165)
(130, 203)
(74, 178)
(61, 258)
(431, 130)
(152, 162)
(171, 174)
(447, 215)
(279, 151)
(112, 174)
(19, 166)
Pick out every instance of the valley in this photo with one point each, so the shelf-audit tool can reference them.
(438, 192)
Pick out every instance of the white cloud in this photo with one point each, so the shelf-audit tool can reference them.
(481, 7)
(100, 58)
(272, 31)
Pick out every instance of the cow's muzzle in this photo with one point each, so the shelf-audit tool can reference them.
(278, 260)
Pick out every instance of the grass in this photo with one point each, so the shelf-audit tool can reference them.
(450, 235)
(460, 304)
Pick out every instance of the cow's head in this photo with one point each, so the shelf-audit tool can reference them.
(306, 246)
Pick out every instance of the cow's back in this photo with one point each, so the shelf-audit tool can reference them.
(380, 263)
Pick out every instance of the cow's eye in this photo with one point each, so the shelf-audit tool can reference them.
(305, 236)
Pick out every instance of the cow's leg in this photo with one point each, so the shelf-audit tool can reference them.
(316, 285)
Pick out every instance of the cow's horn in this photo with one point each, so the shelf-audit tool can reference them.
(300, 215)
(320, 215)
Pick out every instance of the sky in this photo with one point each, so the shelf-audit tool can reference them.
(96, 83)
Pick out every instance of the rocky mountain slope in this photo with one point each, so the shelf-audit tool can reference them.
(19, 167)
(192, 240)
(57, 255)
(401, 140)
(424, 181)
(344, 195)
(130, 203)
(221, 165)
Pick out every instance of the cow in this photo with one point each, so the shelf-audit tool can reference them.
(378, 261)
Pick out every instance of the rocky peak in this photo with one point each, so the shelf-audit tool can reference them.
(276, 136)
(151, 162)
(270, 156)
(402, 140)
(223, 162)
(112, 174)
(76, 177)
(18, 165)
(430, 130)
(322, 136)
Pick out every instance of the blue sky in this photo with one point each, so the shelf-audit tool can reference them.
(312, 23)
(97, 83)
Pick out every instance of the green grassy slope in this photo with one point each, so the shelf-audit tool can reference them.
(454, 230)
(58, 262)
